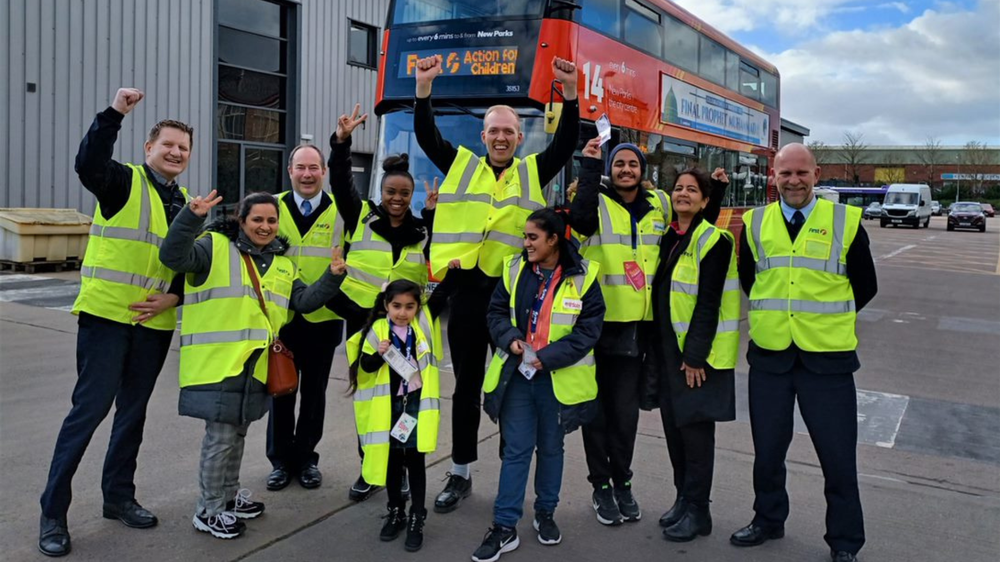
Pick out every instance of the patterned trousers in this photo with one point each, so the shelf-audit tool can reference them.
(219, 470)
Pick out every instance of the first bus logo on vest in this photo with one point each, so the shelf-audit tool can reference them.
(820, 231)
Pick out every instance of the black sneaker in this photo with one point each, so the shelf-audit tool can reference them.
(548, 531)
(415, 531)
(627, 506)
(405, 489)
(223, 526)
(605, 506)
(457, 489)
(498, 539)
(361, 490)
(243, 508)
(395, 522)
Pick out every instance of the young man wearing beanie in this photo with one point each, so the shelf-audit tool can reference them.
(622, 225)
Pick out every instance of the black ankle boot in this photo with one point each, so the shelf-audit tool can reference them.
(696, 521)
(415, 531)
(675, 512)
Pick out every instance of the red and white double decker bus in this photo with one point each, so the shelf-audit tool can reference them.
(670, 83)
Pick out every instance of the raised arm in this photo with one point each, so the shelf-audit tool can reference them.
(440, 151)
(108, 180)
(341, 178)
(182, 250)
(583, 209)
(567, 135)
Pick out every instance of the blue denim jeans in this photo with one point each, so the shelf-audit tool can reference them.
(529, 420)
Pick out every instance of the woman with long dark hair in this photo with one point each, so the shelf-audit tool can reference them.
(696, 304)
(545, 317)
(239, 291)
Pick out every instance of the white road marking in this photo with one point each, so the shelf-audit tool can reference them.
(895, 253)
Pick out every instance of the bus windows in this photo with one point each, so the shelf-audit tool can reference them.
(603, 15)
(423, 11)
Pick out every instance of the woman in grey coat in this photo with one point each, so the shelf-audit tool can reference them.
(229, 405)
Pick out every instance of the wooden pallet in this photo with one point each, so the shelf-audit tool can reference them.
(30, 267)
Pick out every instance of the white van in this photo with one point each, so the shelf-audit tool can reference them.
(907, 203)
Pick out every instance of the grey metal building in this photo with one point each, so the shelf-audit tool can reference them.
(254, 78)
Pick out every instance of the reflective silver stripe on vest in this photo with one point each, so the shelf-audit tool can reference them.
(816, 307)
(564, 319)
(459, 238)
(664, 203)
(512, 272)
(415, 257)
(365, 277)
(372, 338)
(466, 198)
(723, 326)
(684, 288)
(370, 245)
(757, 216)
(366, 394)
(505, 239)
(220, 293)
(233, 336)
(466, 179)
(832, 265)
(313, 252)
(428, 360)
(520, 202)
(139, 234)
(587, 361)
(125, 278)
(702, 240)
(374, 438)
(430, 404)
(424, 321)
(614, 280)
(278, 300)
(605, 235)
(338, 230)
(648, 239)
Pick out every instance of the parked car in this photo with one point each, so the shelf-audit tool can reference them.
(988, 210)
(872, 211)
(936, 208)
(967, 215)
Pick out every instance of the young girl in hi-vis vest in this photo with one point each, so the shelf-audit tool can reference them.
(396, 388)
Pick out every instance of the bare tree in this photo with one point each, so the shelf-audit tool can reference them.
(931, 157)
(821, 151)
(976, 160)
(853, 155)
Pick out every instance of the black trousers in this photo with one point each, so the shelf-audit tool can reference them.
(292, 443)
(692, 452)
(410, 462)
(116, 364)
(469, 342)
(609, 439)
(828, 403)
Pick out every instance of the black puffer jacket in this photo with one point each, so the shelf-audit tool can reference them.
(240, 399)
(557, 355)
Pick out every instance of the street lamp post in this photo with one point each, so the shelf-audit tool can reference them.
(958, 189)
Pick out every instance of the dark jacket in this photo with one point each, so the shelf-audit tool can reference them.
(111, 181)
(557, 355)
(241, 399)
(715, 400)
(864, 283)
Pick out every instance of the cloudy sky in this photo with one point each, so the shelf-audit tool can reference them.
(897, 72)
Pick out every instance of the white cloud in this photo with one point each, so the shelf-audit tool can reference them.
(937, 75)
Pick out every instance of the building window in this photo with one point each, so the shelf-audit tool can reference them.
(253, 124)
(362, 41)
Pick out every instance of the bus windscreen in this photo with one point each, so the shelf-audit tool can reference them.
(423, 11)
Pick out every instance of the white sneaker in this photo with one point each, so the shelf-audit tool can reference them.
(242, 507)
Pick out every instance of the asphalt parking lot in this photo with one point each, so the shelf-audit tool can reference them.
(929, 452)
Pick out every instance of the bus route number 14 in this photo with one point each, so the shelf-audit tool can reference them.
(593, 84)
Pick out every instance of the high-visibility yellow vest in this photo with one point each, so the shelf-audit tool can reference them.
(222, 323)
(801, 293)
(311, 253)
(369, 263)
(611, 246)
(373, 400)
(684, 296)
(479, 218)
(578, 382)
(122, 263)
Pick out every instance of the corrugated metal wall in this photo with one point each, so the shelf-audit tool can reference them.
(329, 86)
(78, 53)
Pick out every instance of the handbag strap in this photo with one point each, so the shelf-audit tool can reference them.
(256, 282)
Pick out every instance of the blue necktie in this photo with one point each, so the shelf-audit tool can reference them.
(797, 219)
(307, 208)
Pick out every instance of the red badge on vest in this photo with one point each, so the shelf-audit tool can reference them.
(635, 276)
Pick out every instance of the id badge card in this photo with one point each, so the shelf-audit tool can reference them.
(635, 276)
(527, 358)
(404, 427)
(398, 362)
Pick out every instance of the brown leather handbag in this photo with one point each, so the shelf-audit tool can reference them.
(282, 376)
